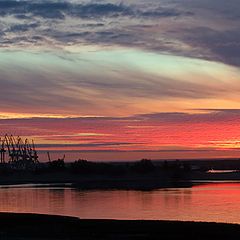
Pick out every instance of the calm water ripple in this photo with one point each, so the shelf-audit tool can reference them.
(218, 202)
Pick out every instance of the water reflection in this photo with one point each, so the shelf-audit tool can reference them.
(207, 202)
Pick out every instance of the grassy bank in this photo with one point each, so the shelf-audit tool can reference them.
(33, 226)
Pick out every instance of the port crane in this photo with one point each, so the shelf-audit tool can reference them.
(16, 151)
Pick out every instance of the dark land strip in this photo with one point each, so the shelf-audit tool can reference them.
(34, 226)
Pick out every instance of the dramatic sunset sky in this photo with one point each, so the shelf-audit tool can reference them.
(122, 80)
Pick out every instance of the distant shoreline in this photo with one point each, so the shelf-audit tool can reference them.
(141, 175)
(37, 226)
(105, 182)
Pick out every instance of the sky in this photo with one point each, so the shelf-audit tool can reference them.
(122, 80)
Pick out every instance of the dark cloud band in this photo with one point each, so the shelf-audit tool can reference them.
(186, 29)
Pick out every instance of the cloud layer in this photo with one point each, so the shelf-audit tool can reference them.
(158, 134)
(34, 82)
(189, 28)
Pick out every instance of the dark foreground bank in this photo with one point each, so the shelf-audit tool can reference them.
(33, 226)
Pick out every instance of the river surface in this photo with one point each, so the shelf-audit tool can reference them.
(218, 202)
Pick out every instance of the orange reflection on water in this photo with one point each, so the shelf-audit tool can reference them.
(207, 202)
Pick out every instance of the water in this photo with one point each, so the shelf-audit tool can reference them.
(218, 202)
